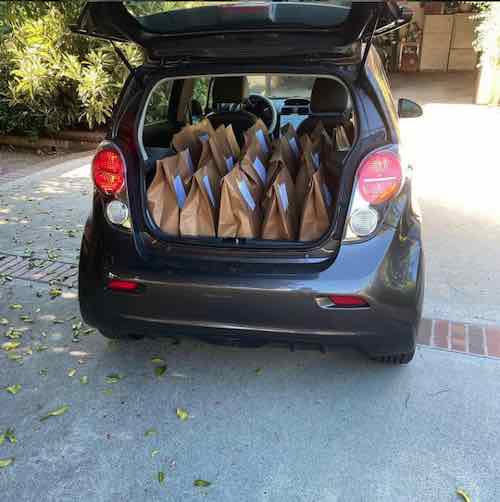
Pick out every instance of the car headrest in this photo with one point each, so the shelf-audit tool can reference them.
(229, 90)
(329, 96)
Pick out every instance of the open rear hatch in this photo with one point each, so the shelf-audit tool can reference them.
(246, 29)
(239, 33)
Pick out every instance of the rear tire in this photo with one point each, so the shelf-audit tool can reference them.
(401, 358)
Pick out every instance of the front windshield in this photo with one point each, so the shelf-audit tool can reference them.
(281, 86)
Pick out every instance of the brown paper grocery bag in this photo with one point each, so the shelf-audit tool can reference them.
(255, 169)
(165, 204)
(289, 132)
(332, 167)
(155, 194)
(317, 209)
(198, 217)
(342, 141)
(192, 137)
(290, 148)
(281, 215)
(307, 169)
(276, 163)
(258, 133)
(233, 142)
(239, 214)
(225, 149)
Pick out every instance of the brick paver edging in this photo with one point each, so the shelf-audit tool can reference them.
(461, 337)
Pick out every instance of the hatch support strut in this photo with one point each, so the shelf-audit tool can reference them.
(126, 62)
(369, 41)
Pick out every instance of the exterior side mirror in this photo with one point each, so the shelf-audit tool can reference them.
(408, 109)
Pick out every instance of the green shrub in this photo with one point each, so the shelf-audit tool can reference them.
(52, 79)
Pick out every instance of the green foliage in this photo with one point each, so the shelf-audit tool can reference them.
(487, 39)
(200, 91)
(51, 79)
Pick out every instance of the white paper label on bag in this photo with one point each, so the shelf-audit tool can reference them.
(262, 140)
(293, 145)
(203, 137)
(208, 188)
(246, 194)
(315, 157)
(229, 163)
(187, 157)
(283, 196)
(327, 195)
(180, 192)
(260, 169)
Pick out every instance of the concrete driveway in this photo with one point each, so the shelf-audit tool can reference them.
(454, 149)
(267, 424)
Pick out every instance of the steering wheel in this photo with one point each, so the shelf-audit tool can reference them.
(263, 107)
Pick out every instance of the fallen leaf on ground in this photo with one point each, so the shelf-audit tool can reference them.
(15, 306)
(157, 360)
(113, 378)
(161, 477)
(58, 321)
(182, 414)
(56, 413)
(11, 436)
(13, 333)
(43, 371)
(13, 356)
(55, 292)
(464, 495)
(5, 462)
(84, 380)
(107, 392)
(160, 371)
(10, 346)
(258, 371)
(72, 372)
(13, 389)
(153, 452)
(26, 318)
(41, 348)
(150, 432)
(201, 483)
(4, 321)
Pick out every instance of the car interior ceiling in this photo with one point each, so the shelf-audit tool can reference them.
(229, 102)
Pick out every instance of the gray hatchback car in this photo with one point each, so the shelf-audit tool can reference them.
(361, 284)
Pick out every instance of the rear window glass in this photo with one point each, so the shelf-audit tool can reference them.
(177, 17)
(157, 109)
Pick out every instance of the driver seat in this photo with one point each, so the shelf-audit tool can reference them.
(228, 96)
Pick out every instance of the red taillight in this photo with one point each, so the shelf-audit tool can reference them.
(348, 301)
(380, 176)
(108, 171)
(120, 285)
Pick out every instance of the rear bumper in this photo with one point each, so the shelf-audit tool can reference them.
(386, 270)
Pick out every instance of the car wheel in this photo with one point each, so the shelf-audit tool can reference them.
(401, 358)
